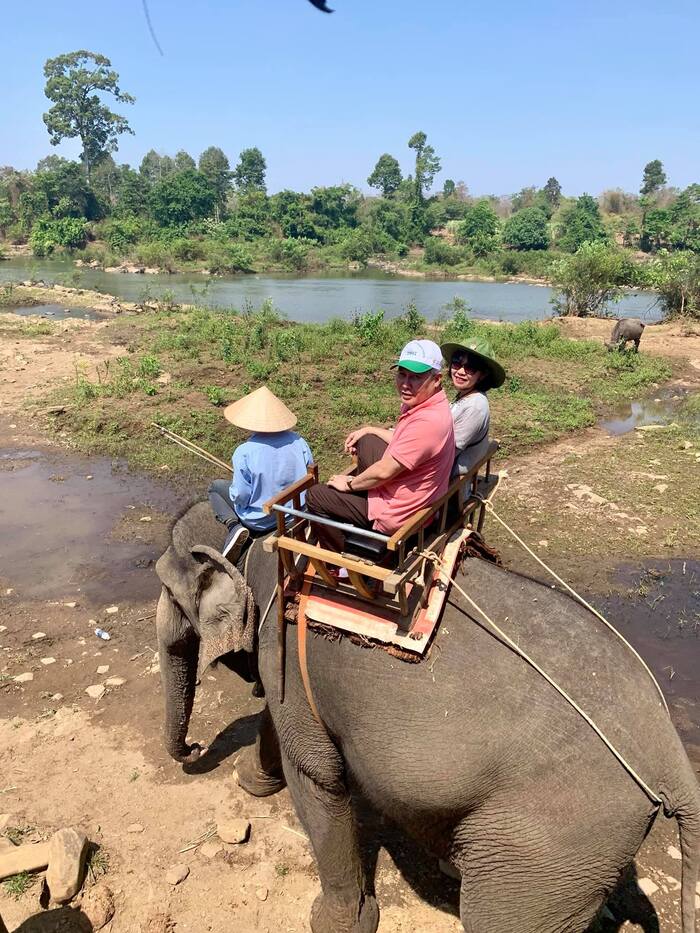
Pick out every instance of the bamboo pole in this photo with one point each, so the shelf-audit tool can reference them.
(193, 448)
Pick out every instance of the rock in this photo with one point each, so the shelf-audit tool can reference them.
(164, 379)
(103, 668)
(115, 681)
(210, 849)
(134, 828)
(67, 851)
(686, 445)
(98, 906)
(55, 410)
(261, 894)
(674, 853)
(4, 821)
(112, 610)
(3, 628)
(23, 678)
(37, 636)
(234, 832)
(647, 886)
(176, 874)
(57, 697)
(70, 605)
(145, 518)
(95, 691)
(47, 661)
(661, 487)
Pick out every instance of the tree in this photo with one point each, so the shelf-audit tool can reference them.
(581, 224)
(552, 192)
(73, 83)
(250, 171)
(479, 229)
(685, 219)
(427, 165)
(386, 175)
(154, 167)
(654, 177)
(215, 167)
(181, 198)
(676, 277)
(588, 281)
(183, 160)
(528, 229)
(292, 211)
(335, 206)
(449, 188)
(62, 187)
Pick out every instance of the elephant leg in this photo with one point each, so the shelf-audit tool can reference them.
(259, 768)
(344, 906)
(178, 649)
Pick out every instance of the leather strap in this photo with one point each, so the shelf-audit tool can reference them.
(301, 646)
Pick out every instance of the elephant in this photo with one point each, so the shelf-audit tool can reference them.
(470, 751)
(626, 330)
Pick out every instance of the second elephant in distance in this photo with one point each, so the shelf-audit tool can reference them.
(474, 754)
(626, 330)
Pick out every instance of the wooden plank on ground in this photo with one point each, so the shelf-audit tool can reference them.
(24, 858)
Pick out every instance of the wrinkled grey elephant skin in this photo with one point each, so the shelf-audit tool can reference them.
(471, 752)
(626, 330)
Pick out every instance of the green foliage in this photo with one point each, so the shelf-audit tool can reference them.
(73, 83)
(369, 325)
(386, 175)
(181, 198)
(527, 230)
(216, 395)
(654, 177)
(121, 233)
(588, 281)
(183, 161)
(427, 164)
(439, 252)
(67, 233)
(412, 319)
(250, 171)
(16, 886)
(155, 167)
(230, 257)
(676, 277)
(479, 229)
(581, 223)
(552, 192)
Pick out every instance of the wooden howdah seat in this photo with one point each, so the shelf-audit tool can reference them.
(390, 585)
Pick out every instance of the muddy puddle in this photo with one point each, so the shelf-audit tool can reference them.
(73, 527)
(668, 405)
(55, 312)
(657, 609)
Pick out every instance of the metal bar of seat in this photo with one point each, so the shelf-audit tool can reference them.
(342, 526)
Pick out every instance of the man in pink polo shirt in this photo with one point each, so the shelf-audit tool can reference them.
(399, 470)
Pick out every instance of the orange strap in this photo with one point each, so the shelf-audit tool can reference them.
(301, 646)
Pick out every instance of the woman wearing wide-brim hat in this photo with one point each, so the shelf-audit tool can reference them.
(272, 458)
(473, 371)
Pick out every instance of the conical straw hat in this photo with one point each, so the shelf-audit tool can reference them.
(260, 411)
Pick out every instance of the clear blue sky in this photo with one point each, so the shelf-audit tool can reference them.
(508, 92)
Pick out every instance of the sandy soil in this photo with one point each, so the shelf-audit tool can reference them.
(80, 539)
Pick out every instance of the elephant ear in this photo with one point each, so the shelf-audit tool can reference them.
(225, 607)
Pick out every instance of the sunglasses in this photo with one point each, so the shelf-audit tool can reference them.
(465, 362)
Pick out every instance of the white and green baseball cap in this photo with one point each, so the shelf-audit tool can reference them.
(419, 356)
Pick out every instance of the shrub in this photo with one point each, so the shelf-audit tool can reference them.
(676, 277)
(66, 232)
(229, 258)
(121, 233)
(216, 395)
(528, 229)
(588, 281)
(440, 253)
(368, 326)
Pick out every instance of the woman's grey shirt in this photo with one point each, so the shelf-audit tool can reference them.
(471, 423)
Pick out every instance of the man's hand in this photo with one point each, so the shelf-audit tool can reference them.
(352, 439)
(340, 482)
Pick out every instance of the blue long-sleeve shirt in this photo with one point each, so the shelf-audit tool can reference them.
(262, 466)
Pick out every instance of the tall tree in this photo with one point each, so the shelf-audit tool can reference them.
(581, 224)
(181, 198)
(449, 188)
(183, 160)
(654, 177)
(386, 175)
(427, 164)
(216, 168)
(73, 83)
(155, 167)
(250, 171)
(552, 192)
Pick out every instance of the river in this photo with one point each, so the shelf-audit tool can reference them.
(319, 297)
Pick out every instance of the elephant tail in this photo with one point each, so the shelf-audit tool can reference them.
(688, 816)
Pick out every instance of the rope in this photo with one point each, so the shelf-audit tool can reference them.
(577, 596)
(437, 563)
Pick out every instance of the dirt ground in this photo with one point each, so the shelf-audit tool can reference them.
(79, 540)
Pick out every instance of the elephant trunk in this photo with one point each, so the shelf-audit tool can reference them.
(178, 654)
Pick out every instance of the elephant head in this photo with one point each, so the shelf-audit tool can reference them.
(205, 612)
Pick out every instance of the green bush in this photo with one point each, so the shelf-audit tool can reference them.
(66, 233)
(438, 252)
(528, 229)
(216, 395)
(121, 233)
(230, 258)
(157, 255)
